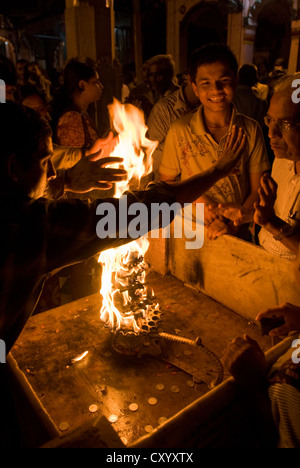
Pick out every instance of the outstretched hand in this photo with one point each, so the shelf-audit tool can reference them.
(102, 147)
(234, 146)
(89, 174)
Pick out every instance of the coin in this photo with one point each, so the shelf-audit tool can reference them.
(64, 426)
(190, 383)
(187, 352)
(162, 419)
(174, 389)
(113, 418)
(148, 428)
(160, 386)
(133, 406)
(152, 401)
(107, 353)
(93, 408)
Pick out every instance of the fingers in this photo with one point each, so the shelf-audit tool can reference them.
(277, 311)
(109, 160)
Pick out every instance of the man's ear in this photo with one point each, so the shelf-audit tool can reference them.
(195, 89)
(13, 167)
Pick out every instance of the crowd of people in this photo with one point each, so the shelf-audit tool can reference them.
(224, 139)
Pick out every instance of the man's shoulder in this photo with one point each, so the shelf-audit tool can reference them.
(184, 121)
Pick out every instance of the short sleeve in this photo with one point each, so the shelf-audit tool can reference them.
(70, 131)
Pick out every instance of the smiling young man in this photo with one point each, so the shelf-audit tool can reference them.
(278, 212)
(195, 142)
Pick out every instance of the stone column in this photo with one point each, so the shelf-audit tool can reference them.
(294, 50)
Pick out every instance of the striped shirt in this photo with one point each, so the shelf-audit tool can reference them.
(163, 114)
(286, 207)
(284, 394)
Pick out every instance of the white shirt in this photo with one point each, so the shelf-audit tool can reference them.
(286, 207)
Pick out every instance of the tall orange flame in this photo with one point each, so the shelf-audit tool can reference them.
(136, 149)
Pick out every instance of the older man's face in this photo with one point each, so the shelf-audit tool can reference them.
(284, 143)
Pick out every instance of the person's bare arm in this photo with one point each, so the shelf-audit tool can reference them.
(191, 189)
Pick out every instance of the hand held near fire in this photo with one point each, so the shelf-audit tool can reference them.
(102, 147)
(89, 175)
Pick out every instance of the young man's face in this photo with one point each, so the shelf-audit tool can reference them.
(34, 179)
(215, 85)
(284, 143)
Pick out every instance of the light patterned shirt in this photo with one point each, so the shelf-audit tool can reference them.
(190, 149)
(286, 207)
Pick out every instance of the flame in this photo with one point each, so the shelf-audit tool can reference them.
(118, 270)
(133, 144)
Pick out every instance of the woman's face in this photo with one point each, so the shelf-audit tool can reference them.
(92, 89)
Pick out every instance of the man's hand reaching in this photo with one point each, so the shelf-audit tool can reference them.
(89, 174)
(102, 148)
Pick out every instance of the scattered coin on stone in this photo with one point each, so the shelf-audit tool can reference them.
(190, 383)
(162, 420)
(133, 406)
(113, 418)
(93, 408)
(174, 389)
(64, 426)
(160, 386)
(152, 401)
(148, 428)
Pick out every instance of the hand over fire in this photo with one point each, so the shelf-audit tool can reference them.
(233, 148)
(89, 174)
(102, 147)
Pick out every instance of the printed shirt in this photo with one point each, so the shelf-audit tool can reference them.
(190, 149)
(286, 207)
(75, 129)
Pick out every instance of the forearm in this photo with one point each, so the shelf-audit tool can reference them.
(190, 190)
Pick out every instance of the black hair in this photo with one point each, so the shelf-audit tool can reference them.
(248, 74)
(73, 73)
(211, 53)
(21, 129)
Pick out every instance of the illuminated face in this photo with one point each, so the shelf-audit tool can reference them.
(215, 85)
(34, 179)
(284, 138)
(93, 89)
